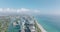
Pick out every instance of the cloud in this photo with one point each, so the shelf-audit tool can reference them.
(21, 10)
(28, 11)
(36, 11)
(8, 9)
(1, 9)
(24, 9)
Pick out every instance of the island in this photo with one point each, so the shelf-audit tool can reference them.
(22, 23)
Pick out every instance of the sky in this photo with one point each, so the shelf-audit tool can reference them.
(30, 6)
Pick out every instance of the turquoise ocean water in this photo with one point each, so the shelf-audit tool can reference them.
(51, 23)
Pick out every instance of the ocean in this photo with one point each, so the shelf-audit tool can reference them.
(51, 23)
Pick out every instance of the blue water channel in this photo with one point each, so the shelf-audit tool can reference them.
(11, 28)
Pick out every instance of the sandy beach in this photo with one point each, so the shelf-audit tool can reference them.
(42, 29)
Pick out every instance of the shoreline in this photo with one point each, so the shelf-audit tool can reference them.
(42, 29)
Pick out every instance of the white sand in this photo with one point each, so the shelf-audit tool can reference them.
(42, 29)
